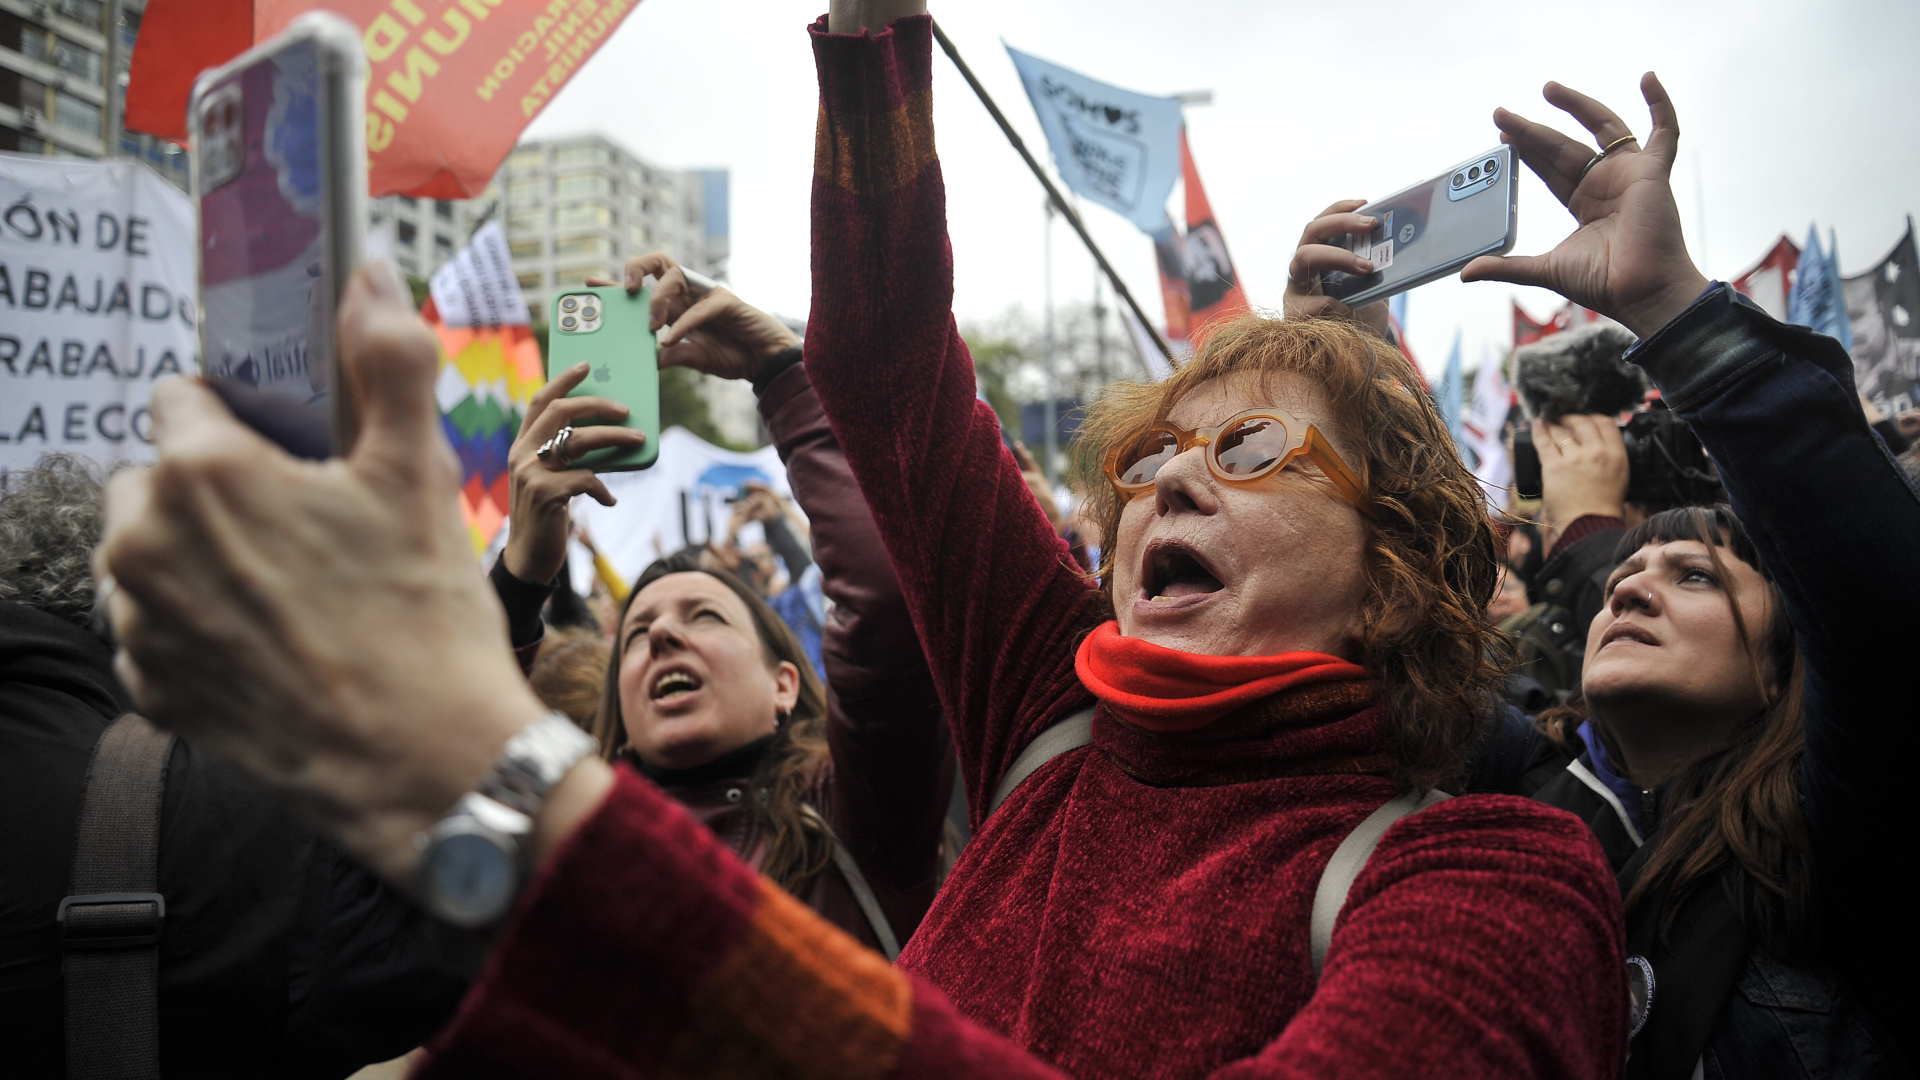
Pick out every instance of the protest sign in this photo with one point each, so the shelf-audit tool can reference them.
(449, 88)
(1883, 307)
(96, 302)
(682, 500)
(1113, 146)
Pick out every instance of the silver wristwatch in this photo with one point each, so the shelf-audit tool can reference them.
(472, 862)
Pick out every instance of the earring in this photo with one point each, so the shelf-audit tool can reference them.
(780, 718)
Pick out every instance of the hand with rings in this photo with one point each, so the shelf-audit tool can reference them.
(557, 447)
(1627, 259)
(556, 432)
(1317, 255)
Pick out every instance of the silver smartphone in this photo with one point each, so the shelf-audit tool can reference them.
(1432, 229)
(279, 175)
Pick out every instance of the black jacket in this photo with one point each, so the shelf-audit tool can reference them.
(277, 958)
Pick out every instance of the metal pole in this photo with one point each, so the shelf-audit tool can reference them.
(1053, 193)
(1052, 415)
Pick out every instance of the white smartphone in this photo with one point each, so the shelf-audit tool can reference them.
(279, 176)
(1432, 229)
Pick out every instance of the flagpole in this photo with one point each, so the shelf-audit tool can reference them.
(1053, 193)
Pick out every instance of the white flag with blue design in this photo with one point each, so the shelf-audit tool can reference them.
(1113, 146)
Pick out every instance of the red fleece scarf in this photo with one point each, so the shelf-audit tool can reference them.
(1164, 689)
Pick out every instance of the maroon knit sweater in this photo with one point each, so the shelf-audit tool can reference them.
(1138, 907)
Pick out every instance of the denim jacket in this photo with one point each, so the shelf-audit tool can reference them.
(1837, 524)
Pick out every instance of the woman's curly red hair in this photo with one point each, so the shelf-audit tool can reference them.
(1430, 552)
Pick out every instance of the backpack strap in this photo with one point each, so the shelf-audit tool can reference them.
(110, 924)
(1347, 862)
(1072, 733)
(856, 880)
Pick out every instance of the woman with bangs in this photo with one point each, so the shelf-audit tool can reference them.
(1690, 727)
(1288, 634)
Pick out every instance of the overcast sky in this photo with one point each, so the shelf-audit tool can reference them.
(1790, 113)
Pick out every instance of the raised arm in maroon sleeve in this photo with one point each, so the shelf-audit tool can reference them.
(892, 758)
(1141, 906)
(998, 602)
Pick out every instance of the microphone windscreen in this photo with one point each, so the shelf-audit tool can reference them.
(1579, 371)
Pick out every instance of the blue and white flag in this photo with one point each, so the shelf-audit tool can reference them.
(1113, 146)
(1817, 300)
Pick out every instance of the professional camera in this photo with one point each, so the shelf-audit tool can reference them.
(1582, 371)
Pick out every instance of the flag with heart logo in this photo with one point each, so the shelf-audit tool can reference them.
(1113, 146)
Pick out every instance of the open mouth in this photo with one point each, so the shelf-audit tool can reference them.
(1174, 570)
(675, 685)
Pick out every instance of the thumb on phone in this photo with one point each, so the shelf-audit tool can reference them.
(390, 360)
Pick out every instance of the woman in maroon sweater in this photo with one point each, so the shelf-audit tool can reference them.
(1137, 907)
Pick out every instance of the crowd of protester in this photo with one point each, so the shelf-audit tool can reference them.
(1278, 755)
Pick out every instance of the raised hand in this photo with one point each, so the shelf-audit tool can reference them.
(1627, 260)
(718, 333)
(539, 489)
(1314, 256)
(320, 625)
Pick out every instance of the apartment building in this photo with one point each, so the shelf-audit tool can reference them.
(421, 234)
(584, 205)
(63, 82)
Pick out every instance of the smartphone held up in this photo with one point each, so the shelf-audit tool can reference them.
(1432, 229)
(607, 328)
(279, 181)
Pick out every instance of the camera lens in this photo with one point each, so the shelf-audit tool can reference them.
(1473, 173)
(1491, 165)
(569, 304)
(569, 323)
(1459, 179)
(590, 313)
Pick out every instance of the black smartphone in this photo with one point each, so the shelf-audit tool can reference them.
(279, 172)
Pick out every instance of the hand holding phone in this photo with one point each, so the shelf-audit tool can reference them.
(606, 328)
(1425, 231)
(279, 182)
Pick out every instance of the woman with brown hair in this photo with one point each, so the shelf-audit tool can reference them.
(1289, 638)
(708, 693)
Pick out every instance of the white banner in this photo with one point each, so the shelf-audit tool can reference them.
(682, 500)
(96, 302)
(477, 287)
(1116, 147)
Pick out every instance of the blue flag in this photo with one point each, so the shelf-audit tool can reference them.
(1451, 395)
(1817, 301)
(1113, 146)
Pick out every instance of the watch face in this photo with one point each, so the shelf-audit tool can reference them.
(469, 879)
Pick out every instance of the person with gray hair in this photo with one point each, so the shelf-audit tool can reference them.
(276, 957)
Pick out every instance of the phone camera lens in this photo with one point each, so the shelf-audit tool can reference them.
(569, 304)
(1491, 165)
(1459, 179)
(590, 313)
(1473, 173)
(569, 323)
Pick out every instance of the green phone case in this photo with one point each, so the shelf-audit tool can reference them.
(625, 364)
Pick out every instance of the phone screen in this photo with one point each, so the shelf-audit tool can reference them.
(266, 284)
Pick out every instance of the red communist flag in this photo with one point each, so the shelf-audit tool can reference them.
(1212, 287)
(450, 84)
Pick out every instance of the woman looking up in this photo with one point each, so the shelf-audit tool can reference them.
(1138, 906)
(1737, 680)
(837, 798)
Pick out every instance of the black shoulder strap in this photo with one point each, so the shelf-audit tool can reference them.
(110, 925)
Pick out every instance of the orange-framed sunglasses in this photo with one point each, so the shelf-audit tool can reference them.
(1250, 446)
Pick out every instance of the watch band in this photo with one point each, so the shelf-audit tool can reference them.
(534, 760)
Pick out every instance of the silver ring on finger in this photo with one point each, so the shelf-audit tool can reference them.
(560, 440)
(1307, 286)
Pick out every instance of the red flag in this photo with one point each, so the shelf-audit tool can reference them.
(448, 90)
(1212, 287)
(1169, 249)
(1527, 329)
(1767, 283)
